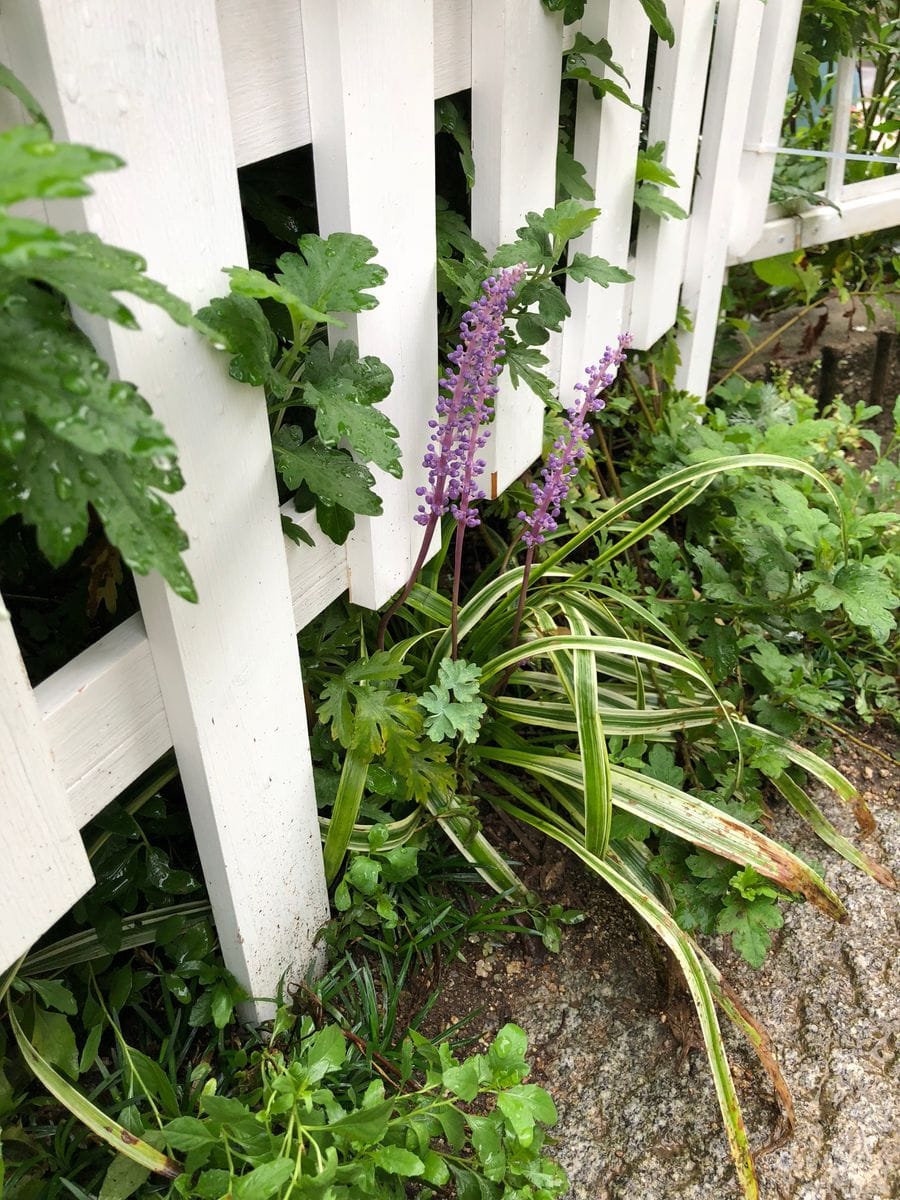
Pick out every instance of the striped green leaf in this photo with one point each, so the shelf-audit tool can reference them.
(689, 818)
(649, 909)
(82, 1109)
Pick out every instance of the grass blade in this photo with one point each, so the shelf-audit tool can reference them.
(592, 745)
(80, 1107)
(689, 818)
(807, 808)
(649, 909)
(345, 811)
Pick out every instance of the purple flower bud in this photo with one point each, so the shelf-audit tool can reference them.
(451, 455)
(562, 463)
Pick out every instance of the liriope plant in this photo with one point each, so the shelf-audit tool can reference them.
(507, 697)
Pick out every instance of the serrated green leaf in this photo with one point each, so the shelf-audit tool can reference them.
(331, 274)
(55, 376)
(240, 323)
(90, 274)
(297, 534)
(51, 483)
(246, 282)
(589, 266)
(750, 923)
(330, 474)
(32, 165)
(453, 702)
(649, 198)
(340, 415)
(865, 595)
(372, 379)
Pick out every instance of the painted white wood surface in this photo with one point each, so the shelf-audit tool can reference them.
(227, 667)
(859, 214)
(265, 70)
(103, 711)
(607, 135)
(45, 868)
(371, 96)
(775, 56)
(841, 104)
(676, 109)
(728, 98)
(516, 54)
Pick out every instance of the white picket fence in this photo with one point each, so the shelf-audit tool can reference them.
(186, 93)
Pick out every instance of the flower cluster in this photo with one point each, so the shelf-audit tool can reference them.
(570, 447)
(459, 431)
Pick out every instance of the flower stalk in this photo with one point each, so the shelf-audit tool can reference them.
(459, 431)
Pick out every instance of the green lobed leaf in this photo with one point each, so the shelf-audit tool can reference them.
(33, 166)
(92, 271)
(865, 595)
(589, 266)
(331, 274)
(330, 474)
(51, 483)
(241, 325)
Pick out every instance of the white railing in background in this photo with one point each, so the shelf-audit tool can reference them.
(355, 78)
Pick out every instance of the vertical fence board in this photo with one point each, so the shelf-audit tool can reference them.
(45, 868)
(731, 75)
(842, 102)
(227, 667)
(607, 135)
(676, 108)
(516, 52)
(764, 120)
(369, 68)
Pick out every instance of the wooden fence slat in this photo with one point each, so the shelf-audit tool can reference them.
(371, 93)
(863, 213)
(265, 74)
(728, 92)
(103, 711)
(227, 667)
(841, 104)
(45, 867)
(777, 39)
(676, 109)
(607, 133)
(516, 51)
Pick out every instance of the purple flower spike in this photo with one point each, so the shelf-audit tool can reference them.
(569, 448)
(460, 432)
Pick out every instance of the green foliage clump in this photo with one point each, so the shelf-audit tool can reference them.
(72, 440)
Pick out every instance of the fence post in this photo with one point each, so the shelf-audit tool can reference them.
(607, 135)
(728, 92)
(370, 75)
(45, 869)
(516, 49)
(676, 109)
(777, 40)
(147, 82)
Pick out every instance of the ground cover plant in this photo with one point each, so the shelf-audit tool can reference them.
(572, 727)
(124, 1020)
(537, 667)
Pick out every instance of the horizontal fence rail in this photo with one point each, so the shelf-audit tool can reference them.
(189, 93)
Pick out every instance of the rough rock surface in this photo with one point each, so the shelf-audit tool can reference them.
(638, 1113)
